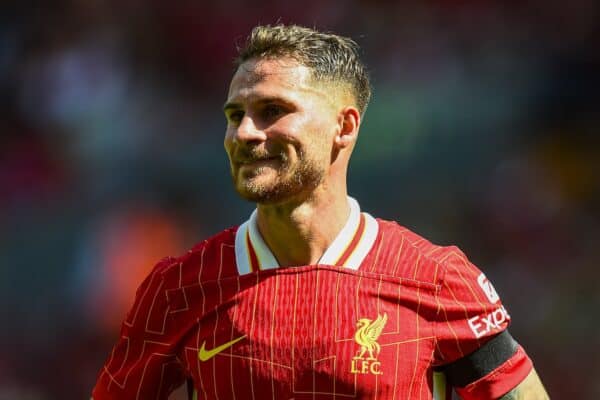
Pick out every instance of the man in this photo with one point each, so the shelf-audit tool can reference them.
(311, 298)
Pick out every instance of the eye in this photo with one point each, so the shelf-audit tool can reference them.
(273, 111)
(235, 117)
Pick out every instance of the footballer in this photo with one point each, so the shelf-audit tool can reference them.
(311, 297)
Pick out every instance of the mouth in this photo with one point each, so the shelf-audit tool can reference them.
(256, 161)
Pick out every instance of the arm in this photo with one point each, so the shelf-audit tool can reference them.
(143, 363)
(482, 361)
(530, 389)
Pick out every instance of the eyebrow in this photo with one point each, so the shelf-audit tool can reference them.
(265, 100)
(231, 106)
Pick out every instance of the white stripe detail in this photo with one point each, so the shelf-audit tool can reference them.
(439, 386)
(266, 259)
(364, 244)
(343, 239)
(242, 256)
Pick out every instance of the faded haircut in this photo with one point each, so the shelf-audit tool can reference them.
(331, 57)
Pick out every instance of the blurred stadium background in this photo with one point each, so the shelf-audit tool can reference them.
(482, 132)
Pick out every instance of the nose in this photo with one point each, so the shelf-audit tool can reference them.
(247, 131)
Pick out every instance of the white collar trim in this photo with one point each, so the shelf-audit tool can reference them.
(348, 249)
(343, 239)
(266, 259)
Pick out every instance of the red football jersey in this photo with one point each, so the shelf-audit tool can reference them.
(381, 310)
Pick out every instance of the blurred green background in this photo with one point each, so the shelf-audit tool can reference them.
(482, 133)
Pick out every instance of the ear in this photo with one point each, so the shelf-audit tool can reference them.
(349, 122)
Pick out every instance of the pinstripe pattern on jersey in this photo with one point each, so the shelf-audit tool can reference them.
(299, 322)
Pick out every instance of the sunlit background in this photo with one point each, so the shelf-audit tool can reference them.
(482, 132)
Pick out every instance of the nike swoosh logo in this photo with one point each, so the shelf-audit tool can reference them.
(205, 355)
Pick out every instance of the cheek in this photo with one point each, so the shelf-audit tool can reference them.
(228, 144)
(321, 141)
(303, 138)
(228, 137)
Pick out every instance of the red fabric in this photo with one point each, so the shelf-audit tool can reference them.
(300, 326)
(501, 380)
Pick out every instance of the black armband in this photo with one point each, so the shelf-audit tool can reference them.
(482, 361)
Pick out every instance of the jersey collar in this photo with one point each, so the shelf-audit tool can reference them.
(348, 249)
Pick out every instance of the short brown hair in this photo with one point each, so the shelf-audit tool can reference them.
(329, 56)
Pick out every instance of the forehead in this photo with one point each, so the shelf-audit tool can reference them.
(267, 77)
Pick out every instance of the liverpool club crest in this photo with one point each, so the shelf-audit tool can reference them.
(365, 361)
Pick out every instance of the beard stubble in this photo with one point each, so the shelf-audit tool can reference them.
(291, 180)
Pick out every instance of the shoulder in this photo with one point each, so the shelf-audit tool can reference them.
(209, 259)
(410, 255)
(464, 294)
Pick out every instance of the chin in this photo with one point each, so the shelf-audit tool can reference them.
(266, 188)
(265, 194)
(258, 195)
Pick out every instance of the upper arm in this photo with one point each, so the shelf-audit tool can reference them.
(479, 356)
(143, 363)
(470, 312)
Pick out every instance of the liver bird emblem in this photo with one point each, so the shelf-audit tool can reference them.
(366, 336)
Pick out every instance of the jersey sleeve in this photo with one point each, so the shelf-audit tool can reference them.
(470, 314)
(143, 363)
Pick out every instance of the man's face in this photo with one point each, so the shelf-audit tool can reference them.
(280, 128)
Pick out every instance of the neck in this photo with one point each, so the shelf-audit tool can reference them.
(298, 233)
